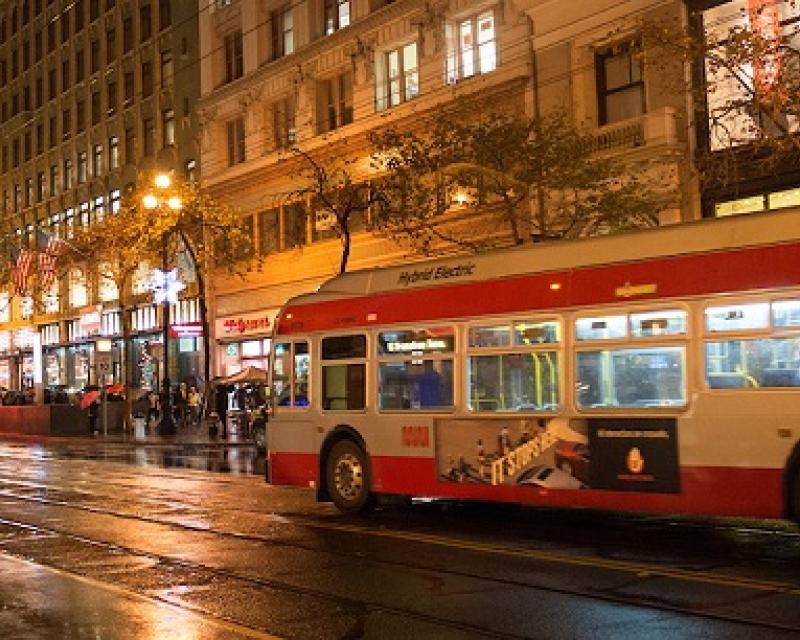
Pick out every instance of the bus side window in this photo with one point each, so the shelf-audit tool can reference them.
(290, 371)
(281, 374)
(300, 381)
(344, 372)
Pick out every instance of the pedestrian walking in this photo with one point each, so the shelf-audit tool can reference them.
(154, 408)
(94, 410)
(193, 404)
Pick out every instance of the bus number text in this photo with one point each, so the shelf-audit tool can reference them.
(416, 436)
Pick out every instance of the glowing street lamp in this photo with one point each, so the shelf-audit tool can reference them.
(165, 287)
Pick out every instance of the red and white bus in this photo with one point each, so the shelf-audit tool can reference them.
(657, 370)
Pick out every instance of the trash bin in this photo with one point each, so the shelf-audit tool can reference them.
(139, 424)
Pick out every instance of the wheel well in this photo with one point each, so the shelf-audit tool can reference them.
(791, 503)
(339, 433)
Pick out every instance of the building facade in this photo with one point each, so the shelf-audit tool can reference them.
(321, 75)
(92, 92)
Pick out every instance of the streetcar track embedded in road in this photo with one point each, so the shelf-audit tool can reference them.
(640, 570)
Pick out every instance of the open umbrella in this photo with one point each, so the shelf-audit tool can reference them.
(89, 398)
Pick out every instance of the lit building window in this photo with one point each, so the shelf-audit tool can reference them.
(168, 127)
(471, 47)
(114, 201)
(113, 152)
(97, 160)
(397, 77)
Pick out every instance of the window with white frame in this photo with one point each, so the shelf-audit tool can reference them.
(337, 15)
(397, 77)
(471, 46)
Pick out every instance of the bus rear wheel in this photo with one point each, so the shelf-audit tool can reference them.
(348, 478)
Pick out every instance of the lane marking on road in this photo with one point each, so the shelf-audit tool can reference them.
(640, 569)
(186, 610)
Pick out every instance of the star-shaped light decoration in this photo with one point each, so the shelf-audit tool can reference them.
(165, 286)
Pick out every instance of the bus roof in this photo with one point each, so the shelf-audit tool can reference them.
(687, 259)
(696, 238)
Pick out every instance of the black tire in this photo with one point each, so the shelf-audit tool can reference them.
(348, 478)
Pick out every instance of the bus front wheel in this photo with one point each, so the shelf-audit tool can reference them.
(347, 476)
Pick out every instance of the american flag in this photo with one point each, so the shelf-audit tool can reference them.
(47, 245)
(20, 268)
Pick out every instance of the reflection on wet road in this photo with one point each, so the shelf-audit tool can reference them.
(239, 459)
(227, 555)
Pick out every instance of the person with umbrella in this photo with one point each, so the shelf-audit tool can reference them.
(89, 401)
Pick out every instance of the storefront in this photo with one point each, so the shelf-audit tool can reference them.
(147, 350)
(70, 363)
(5, 359)
(244, 341)
(186, 349)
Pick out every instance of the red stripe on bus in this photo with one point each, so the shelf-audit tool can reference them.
(696, 274)
(721, 491)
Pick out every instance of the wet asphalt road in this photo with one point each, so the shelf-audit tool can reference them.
(122, 541)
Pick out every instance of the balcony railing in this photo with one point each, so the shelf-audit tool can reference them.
(652, 128)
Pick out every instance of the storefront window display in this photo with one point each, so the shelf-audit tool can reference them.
(79, 361)
(54, 367)
(248, 353)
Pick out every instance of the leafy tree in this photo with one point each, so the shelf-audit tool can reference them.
(745, 88)
(208, 232)
(517, 176)
(340, 194)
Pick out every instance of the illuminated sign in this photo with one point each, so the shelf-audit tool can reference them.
(629, 290)
(245, 324)
(430, 344)
(186, 330)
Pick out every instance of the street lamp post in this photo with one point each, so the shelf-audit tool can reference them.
(152, 201)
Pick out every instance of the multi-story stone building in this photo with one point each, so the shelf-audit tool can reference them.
(91, 92)
(322, 74)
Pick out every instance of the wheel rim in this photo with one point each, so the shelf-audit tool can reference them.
(348, 476)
